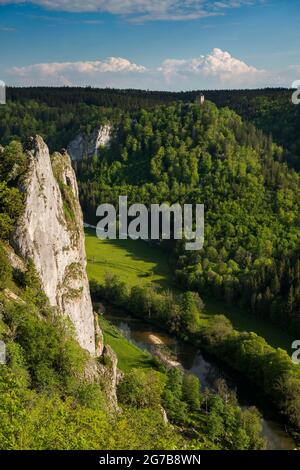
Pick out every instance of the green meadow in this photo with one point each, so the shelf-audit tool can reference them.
(134, 261)
(129, 355)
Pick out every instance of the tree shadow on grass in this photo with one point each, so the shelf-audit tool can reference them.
(139, 250)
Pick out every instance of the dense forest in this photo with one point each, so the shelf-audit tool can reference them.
(240, 160)
(47, 400)
(181, 152)
(187, 153)
(195, 154)
(270, 109)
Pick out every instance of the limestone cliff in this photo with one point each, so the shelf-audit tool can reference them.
(50, 232)
(88, 145)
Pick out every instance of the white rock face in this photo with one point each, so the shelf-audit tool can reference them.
(88, 146)
(51, 234)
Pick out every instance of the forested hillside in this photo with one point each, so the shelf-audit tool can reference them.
(195, 154)
(49, 397)
(270, 110)
(180, 152)
(184, 152)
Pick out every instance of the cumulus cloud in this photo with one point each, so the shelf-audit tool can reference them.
(68, 73)
(218, 64)
(143, 10)
(217, 69)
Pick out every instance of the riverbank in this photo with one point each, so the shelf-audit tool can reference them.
(248, 354)
(141, 334)
(136, 262)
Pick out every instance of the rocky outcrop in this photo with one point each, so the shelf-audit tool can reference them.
(110, 374)
(99, 340)
(105, 372)
(50, 233)
(89, 145)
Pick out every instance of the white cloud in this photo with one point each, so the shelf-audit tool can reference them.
(143, 10)
(218, 69)
(68, 73)
(219, 65)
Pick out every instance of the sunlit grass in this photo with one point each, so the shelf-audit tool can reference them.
(139, 263)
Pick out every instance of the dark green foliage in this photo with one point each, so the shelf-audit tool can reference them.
(191, 391)
(5, 268)
(270, 369)
(179, 311)
(51, 356)
(12, 162)
(184, 153)
(12, 166)
(10, 209)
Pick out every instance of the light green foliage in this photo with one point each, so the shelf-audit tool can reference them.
(12, 162)
(5, 268)
(190, 312)
(235, 428)
(128, 259)
(10, 208)
(141, 389)
(129, 356)
(191, 391)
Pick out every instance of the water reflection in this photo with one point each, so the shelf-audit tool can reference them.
(149, 338)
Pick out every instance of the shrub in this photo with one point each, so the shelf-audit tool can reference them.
(5, 269)
(191, 391)
(141, 389)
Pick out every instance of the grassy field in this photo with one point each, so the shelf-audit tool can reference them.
(129, 356)
(134, 261)
(138, 263)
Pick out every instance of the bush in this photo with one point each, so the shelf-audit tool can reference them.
(5, 269)
(141, 389)
(191, 391)
(13, 161)
(54, 359)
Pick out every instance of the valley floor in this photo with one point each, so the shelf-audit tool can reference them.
(138, 263)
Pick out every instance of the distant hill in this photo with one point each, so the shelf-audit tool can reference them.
(270, 109)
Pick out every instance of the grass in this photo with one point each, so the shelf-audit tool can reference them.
(133, 261)
(139, 263)
(243, 320)
(129, 355)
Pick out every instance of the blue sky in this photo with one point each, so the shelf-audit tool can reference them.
(156, 44)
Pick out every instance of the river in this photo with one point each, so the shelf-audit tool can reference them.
(150, 338)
